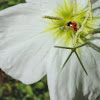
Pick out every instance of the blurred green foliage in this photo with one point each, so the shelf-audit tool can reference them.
(8, 3)
(20, 91)
(11, 89)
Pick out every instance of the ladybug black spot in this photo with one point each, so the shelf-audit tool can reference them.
(75, 29)
(68, 24)
(75, 25)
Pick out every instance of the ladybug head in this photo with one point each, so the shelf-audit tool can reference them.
(68, 24)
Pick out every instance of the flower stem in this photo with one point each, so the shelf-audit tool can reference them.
(95, 32)
(66, 61)
(70, 47)
(73, 50)
(63, 47)
(90, 8)
(81, 45)
(81, 63)
(95, 47)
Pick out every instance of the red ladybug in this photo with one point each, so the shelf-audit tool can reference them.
(73, 25)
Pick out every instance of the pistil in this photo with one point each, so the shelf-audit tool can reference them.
(81, 29)
(90, 9)
(52, 18)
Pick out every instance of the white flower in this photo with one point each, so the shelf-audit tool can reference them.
(27, 54)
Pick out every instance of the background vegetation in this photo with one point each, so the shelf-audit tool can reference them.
(8, 3)
(11, 89)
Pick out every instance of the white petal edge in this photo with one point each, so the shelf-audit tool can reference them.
(23, 47)
(49, 4)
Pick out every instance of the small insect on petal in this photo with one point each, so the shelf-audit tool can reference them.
(73, 25)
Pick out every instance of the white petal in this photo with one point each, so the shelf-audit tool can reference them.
(50, 5)
(72, 83)
(23, 48)
(83, 3)
(96, 4)
(56, 60)
(96, 9)
(46, 6)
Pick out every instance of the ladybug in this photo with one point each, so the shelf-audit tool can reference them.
(73, 25)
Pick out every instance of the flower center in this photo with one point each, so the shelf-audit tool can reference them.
(64, 24)
(74, 30)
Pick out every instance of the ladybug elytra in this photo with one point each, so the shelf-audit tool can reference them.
(73, 25)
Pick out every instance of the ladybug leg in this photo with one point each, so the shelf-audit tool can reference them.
(75, 6)
(90, 9)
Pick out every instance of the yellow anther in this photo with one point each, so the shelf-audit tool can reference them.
(74, 11)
